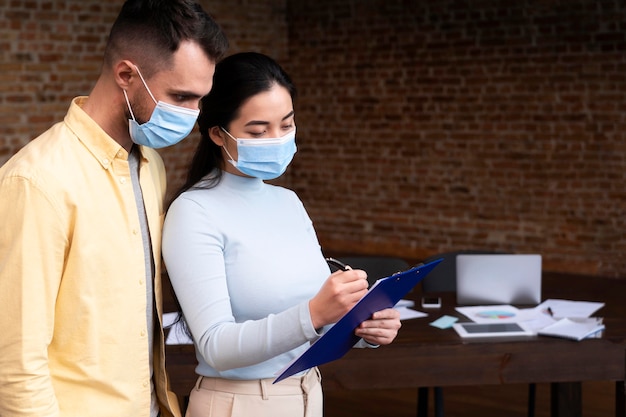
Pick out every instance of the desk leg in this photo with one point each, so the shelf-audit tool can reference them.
(566, 399)
(620, 399)
(422, 402)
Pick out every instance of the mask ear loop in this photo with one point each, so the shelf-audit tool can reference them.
(226, 131)
(232, 160)
(128, 104)
(145, 85)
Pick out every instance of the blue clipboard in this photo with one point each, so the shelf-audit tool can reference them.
(340, 338)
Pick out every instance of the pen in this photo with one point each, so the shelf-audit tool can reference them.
(550, 312)
(337, 264)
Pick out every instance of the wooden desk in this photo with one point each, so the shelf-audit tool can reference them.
(425, 356)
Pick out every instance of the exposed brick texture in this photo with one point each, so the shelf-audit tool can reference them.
(427, 126)
(423, 125)
(50, 51)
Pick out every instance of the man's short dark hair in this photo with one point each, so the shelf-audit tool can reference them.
(150, 31)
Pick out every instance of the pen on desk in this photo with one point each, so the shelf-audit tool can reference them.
(550, 312)
(337, 264)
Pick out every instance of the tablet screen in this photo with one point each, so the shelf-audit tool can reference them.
(493, 327)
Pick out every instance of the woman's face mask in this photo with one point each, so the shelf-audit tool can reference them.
(266, 158)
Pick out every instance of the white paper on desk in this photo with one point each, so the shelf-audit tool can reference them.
(404, 303)
(177, 334)
(535, 319)
(568, 308)
(502, 313)
(408, 313)
(169, 319)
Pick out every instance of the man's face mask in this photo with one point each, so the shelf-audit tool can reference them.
(263, 158)
(168, 124)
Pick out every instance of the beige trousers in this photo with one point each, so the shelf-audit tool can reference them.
(291, 397)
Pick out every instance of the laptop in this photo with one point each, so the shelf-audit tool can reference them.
(498, 279)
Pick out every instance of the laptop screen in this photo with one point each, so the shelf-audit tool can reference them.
(498, 279)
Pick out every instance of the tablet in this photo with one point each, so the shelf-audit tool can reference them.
(491, 329)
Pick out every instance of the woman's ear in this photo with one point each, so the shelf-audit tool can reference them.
(216, 135)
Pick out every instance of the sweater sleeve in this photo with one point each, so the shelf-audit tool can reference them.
(193, 251)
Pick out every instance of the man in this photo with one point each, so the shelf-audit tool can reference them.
(82, 209)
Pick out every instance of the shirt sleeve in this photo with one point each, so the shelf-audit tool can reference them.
(32, 245)
(193, 251)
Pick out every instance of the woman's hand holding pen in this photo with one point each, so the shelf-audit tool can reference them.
(338, 295)
(381, 329)
(343, 290)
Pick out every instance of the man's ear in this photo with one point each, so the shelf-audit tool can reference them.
(217, 135)
(124, 73)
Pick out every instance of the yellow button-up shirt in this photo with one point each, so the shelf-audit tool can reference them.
(73, 329)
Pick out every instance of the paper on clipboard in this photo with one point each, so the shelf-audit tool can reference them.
(340, 338)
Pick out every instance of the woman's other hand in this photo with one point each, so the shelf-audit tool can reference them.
(381, 329)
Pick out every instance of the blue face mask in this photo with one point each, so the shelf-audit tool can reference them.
(263, 158)
(168, 124)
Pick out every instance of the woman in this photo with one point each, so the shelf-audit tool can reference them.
(243, 258)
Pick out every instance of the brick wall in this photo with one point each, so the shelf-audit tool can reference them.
(51, 51)
(427, 126)
(423, 126)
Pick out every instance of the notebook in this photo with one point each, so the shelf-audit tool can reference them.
(574, 328)
(498, 279)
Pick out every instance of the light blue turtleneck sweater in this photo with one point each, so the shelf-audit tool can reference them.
(244, 261)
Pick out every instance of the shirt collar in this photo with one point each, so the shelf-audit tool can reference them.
(102, 146)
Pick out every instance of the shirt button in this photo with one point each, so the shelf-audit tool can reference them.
(105, 161)
(141, 282)
(145, 384)
(120, 154)
(123, 180)
(143, 333)
(135, 231)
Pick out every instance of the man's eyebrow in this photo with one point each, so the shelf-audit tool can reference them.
(264, 123)
(184, 93)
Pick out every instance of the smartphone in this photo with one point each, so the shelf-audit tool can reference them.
(431, 302)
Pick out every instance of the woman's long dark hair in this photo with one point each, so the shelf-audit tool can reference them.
(237, 78)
